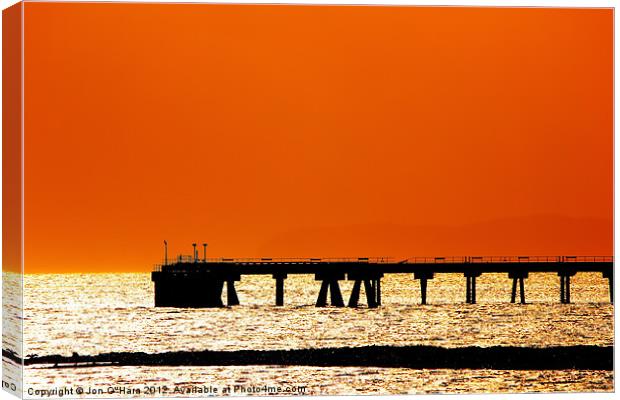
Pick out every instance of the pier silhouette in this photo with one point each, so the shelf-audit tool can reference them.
(191, 281)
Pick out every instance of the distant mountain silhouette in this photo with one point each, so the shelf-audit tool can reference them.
(533, 235)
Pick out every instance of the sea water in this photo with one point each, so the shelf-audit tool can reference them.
(91, 314)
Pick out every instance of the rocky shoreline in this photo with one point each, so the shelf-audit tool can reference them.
(418, 357)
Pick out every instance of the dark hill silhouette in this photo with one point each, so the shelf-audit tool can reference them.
(534, 235)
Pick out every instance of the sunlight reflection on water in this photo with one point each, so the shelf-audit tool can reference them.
(95, 313)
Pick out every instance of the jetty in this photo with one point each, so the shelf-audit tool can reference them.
(193, 281)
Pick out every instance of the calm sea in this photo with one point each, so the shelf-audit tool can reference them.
(98, 313)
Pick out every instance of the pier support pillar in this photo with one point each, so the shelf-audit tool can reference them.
(518, 277)
(566, 289)
(329, 285)
(336, 294)
(231, 293)
(321, 301)
(279, 288)
(216, 295)
(565, 285)
(470, 291)
(423, 282)
(423, 277)
(610, 279)
(372, 287)
(355, 294)
(467, 290)
(371, 297)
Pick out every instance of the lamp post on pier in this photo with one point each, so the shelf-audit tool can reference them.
(165, 253)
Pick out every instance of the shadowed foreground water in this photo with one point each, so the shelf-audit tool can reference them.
(98, 313)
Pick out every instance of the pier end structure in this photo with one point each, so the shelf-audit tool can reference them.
(187, 285)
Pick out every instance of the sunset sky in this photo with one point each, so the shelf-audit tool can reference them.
(314, 131)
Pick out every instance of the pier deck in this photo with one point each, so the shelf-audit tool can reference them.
(193, 282)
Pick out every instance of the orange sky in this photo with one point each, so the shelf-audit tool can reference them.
(314, 131)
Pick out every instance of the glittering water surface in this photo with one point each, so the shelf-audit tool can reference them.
(96, 313)
(12, 340)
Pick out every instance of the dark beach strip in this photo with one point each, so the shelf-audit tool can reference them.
(498, 357)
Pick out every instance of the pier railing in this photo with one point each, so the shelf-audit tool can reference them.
(278, 260)
(505, 259)
(185, 259)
